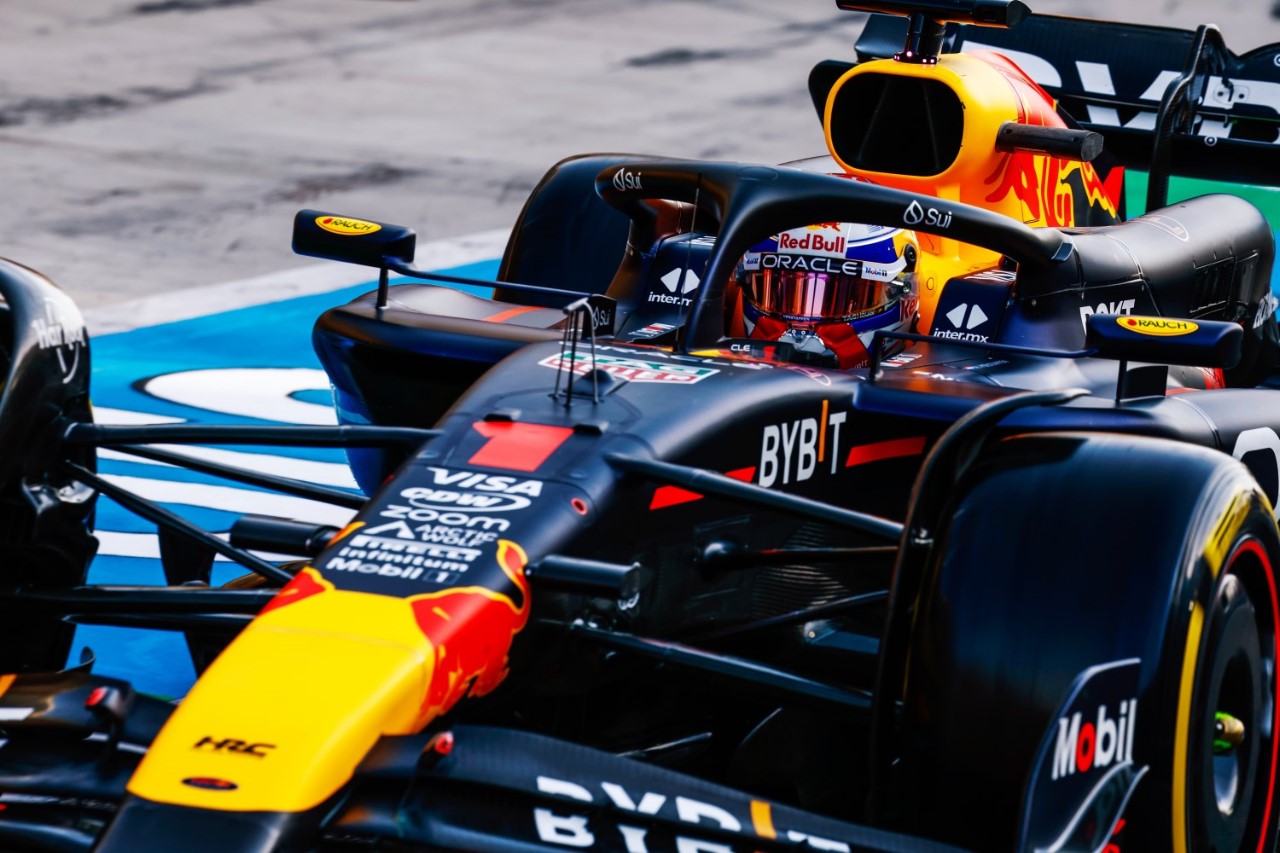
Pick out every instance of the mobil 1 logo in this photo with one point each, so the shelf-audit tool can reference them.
(1087, 753)
(385, 557)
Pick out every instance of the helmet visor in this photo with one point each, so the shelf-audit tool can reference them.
(854, 289)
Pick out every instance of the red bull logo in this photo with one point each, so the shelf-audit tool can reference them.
(813, 241)
(1053, 192)
(1044, 185)
(471, 629)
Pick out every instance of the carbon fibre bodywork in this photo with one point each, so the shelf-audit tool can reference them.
(625, 578)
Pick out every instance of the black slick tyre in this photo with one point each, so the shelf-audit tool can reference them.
(1061, 555)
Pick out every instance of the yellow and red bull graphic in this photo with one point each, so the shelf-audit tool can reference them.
(1037, 189)
(327, 669)
(1053, 191)
(305, 584)
(472, 629)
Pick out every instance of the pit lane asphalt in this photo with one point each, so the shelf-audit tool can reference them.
(154, 146)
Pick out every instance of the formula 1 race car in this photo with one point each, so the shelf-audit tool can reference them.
(628, 575)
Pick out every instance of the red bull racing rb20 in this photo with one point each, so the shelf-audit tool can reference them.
(918, 496)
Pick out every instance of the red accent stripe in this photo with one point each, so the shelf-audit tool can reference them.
(517, 446)
(881, 450)
(665, 496)
(1255, 547)
(504, 316)
(303, 585)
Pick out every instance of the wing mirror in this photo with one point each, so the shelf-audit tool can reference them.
(1164, 340)
(317, 234)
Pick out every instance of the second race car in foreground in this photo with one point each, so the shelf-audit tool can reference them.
(1008, 589)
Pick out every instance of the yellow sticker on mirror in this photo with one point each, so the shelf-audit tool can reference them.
(1161, 327)
(345, 226)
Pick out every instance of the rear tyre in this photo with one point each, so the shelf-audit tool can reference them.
(1064, 552)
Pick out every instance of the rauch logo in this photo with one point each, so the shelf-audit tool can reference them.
(346, 226)
(1157, 326)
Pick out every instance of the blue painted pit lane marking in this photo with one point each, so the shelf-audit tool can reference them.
(247, 366)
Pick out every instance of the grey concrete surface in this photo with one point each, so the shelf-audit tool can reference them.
(158, 145)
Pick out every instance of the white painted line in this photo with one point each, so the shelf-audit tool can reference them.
(124, 417)
(323, 473)
(232, 499)
(250, 392)
(112, 543)
(187, 303)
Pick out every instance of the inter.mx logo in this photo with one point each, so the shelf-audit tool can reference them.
(964, 318)
(678, 282)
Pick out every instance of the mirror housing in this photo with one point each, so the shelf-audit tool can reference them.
(1164, 340)
(317, 234)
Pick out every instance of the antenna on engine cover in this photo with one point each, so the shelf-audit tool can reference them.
(580, 322)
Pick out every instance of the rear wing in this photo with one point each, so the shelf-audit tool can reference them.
(1167, 101)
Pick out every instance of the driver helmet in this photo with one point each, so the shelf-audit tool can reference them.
(828, 288)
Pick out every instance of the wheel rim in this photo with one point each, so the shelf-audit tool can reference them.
(1233, 745)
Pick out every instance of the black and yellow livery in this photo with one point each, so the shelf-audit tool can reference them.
(620, 580)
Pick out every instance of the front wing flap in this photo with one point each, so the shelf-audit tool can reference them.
(483, 788)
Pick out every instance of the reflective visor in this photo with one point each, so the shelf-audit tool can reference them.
(812, 297)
